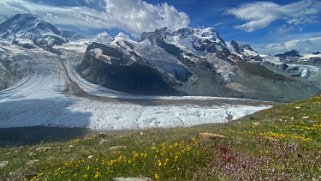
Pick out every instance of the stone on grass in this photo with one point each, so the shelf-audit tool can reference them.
(131, 179)
(31, 162)
(211, 136)
(3, 164)
(43, 149)
(102, 135)
(103, 141)
(270, 138)
(116, 148)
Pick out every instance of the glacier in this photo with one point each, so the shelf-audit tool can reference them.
(45, 97)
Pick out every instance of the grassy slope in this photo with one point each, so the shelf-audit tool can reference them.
(283, 143)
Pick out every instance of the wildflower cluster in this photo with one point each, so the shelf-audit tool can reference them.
(296, 132)
(157, 162)
(284, 136)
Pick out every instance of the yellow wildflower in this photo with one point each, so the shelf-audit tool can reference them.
(97, 175)
(157, 177)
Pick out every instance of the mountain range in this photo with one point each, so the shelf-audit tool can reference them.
(188, 61)
(196, 62)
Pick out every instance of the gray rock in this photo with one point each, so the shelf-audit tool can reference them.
(102, 135)
(103, 141)
(115, 148)
(132, 179)
(3, 164)
(43, 149)
(31, 162)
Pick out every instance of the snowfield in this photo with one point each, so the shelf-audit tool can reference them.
(53, 94)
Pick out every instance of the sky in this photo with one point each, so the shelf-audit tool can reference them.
(268, 26)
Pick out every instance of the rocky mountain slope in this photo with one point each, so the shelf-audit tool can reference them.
(188, 61)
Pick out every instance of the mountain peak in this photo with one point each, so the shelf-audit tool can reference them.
(29, 31)
(194, 40)
(122, 36)
(26, 16)
(239, 47)
(23, 23)
(292, 53)
(244, 50)
(103, 38)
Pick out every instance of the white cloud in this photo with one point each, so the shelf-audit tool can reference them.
(138, 16)
(133, 16)
(303, 45)
(259, 15)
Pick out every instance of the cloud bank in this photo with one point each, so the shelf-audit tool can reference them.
(132, 16)
(259, 15)
(303, 45)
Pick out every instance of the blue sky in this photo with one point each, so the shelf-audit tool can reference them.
(269, 26)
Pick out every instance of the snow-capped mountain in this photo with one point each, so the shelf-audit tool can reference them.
(191, 40)
(188, 61)
(30, 31)
(244, 51)
(3, 18)
(294, 56)
(103, 38)
(289, 54)
(304, 67)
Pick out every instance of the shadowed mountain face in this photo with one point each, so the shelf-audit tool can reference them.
(188, 62)
(292, 53)
(122, 72)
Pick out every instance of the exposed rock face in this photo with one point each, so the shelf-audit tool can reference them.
(245, 51)
(113, 68)
(292, 53)
(188, 62)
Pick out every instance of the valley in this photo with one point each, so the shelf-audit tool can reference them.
(165, 79)
(52, 94)
(142, 90)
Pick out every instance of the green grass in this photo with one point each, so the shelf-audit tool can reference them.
(281, 143)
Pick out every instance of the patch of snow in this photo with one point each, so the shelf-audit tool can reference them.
(104, 38)
(122, 35)
(190, 39)
(222, 67)
(98, 53)
(159, 58)
(271, 59)
(250, 53)
(304, 70)
(75, 46)
(310, 55)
